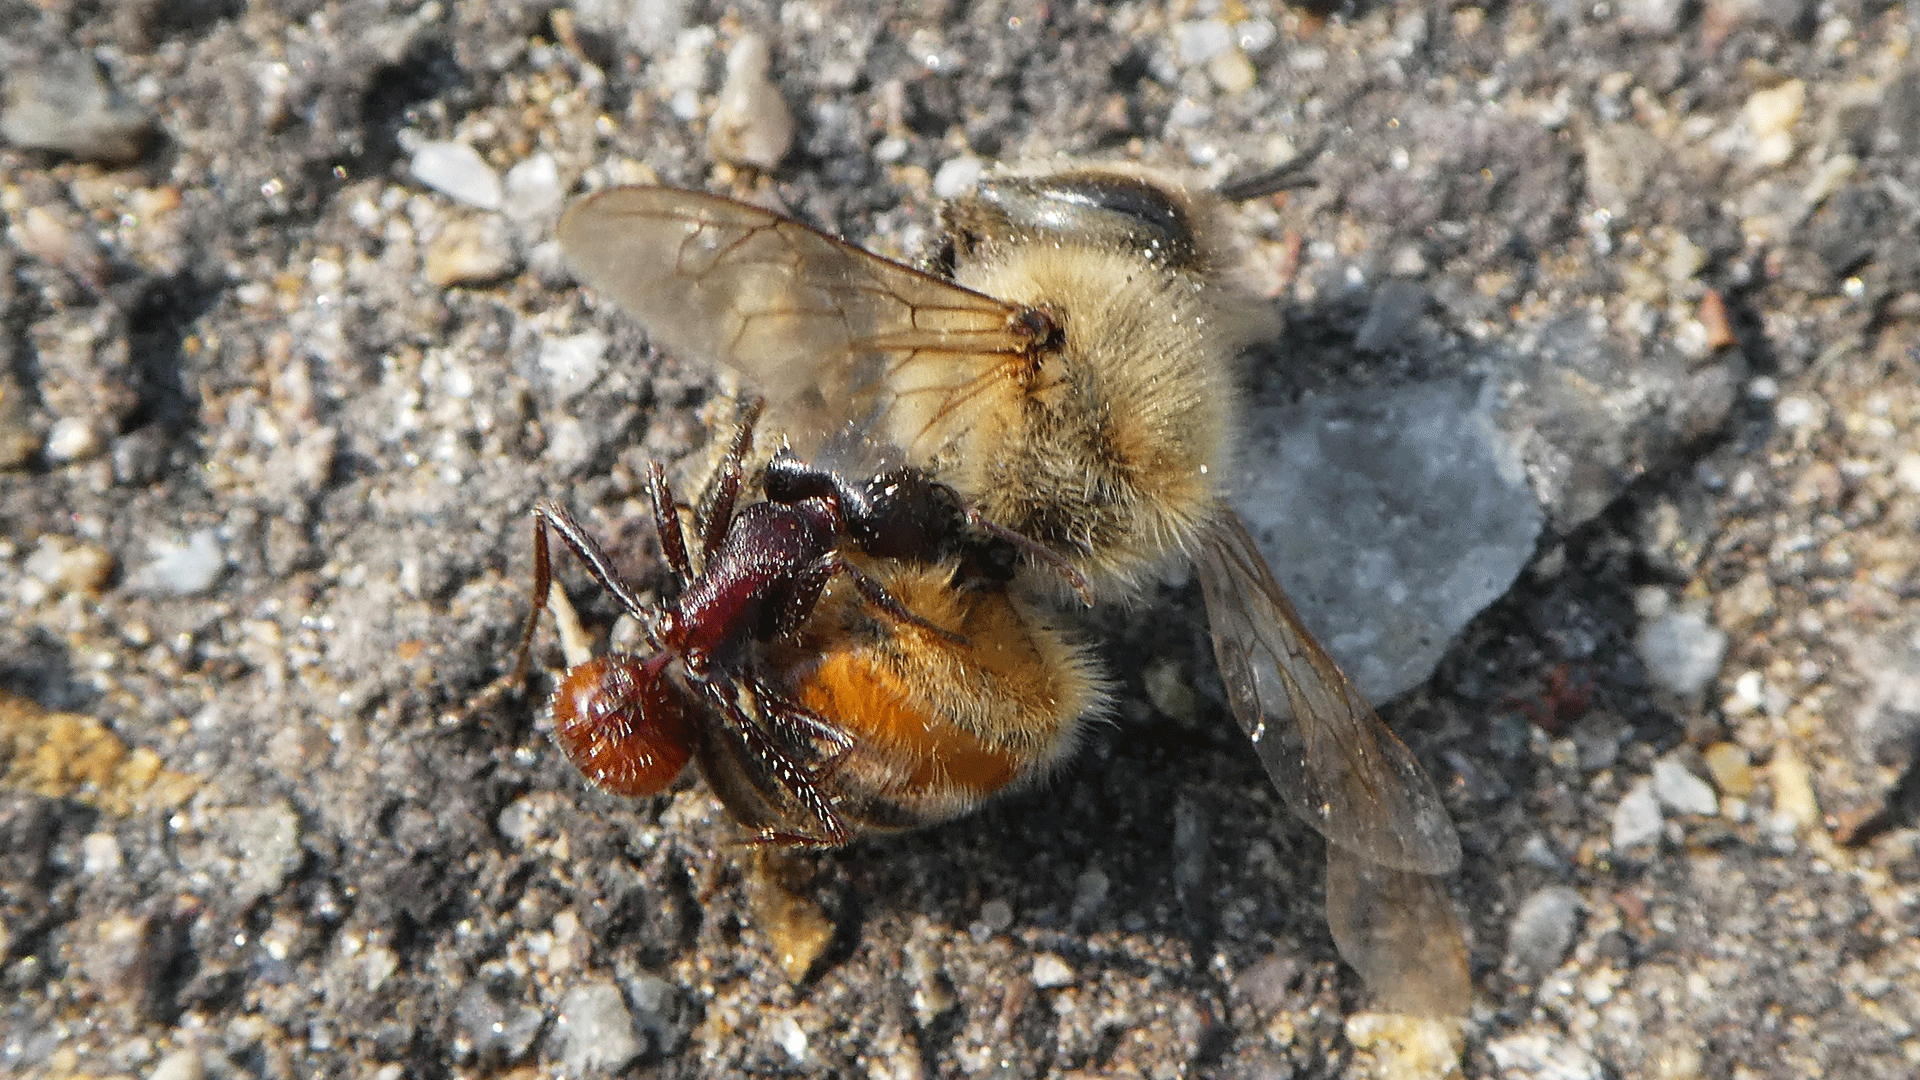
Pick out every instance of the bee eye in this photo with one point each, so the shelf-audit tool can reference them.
(1102, 209)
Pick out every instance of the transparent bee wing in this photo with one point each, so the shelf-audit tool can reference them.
(844, 344)
(1326, 751)
(1400, 931)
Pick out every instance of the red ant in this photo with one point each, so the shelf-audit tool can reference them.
(631, 724)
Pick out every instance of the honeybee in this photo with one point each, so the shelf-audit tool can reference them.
(1066, 363)
(813, 713)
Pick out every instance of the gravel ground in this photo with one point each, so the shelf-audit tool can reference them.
(289, 353)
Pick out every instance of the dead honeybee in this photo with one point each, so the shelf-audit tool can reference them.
(1066, 364)
(903, 701)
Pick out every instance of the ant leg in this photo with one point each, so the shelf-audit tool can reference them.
(800, 724)
(812, 580)
(795, 779)
(1040, 552)
(551, 515)
(666, 521)
(549, 596)
(717, 502)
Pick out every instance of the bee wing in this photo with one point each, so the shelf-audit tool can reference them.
(835, 337)
(1400, 931)
(1326, 751)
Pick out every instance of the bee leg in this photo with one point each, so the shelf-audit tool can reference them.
(794, 779)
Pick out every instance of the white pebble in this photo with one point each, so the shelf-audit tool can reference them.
(182, 1064)
(1200, 40)
(1682, 651)
(596, 1032)
(72, 440)
(957, 177)
(751, 123)
(1049, 972)
(99, 854)
(574, 362)
(791, 1037)
(1681, 791)
(1637, 819)
(1771, 115)
(1797, 412)
(457, 171)
(532, 188)
(184, 569)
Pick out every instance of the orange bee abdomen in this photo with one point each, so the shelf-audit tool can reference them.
(935, 725)
(918, 751)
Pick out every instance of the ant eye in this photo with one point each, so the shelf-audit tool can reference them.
(625, 728)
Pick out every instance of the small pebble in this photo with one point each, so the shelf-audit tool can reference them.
(595, 1030)
(182, 1064)
(1090, 892)
(1799, 413)
(495, 1028)
(1771, 115)
(18, 442)
(654, 1002)
(100, 854)
(791, 1037)
(1542, 931)
(574, 361)
(69, 567)
(1232, 72)
(997, 915)
(1169, 690)
(1549, 1057)
(751, 123)
(1637, 819)
(66, 105)
(1051, 972)
(532, 189)
(1681, 651)
(469, 251)
(457, 171)
(1793, 797)
(71, 440)
(1201, 40)
(184, 569)
(1732, 769)
(1906, 472)
(1407, 1047)
(1681, 791)
(958, 176)
(264, 843)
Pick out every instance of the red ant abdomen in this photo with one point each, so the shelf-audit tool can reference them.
(623, 724)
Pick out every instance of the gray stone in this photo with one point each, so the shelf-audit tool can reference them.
(1391, 518)
(64, 103)
(1682, 651)
(1636, 818)
(1542, 931)
(596, 1032)
(1681, 791)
